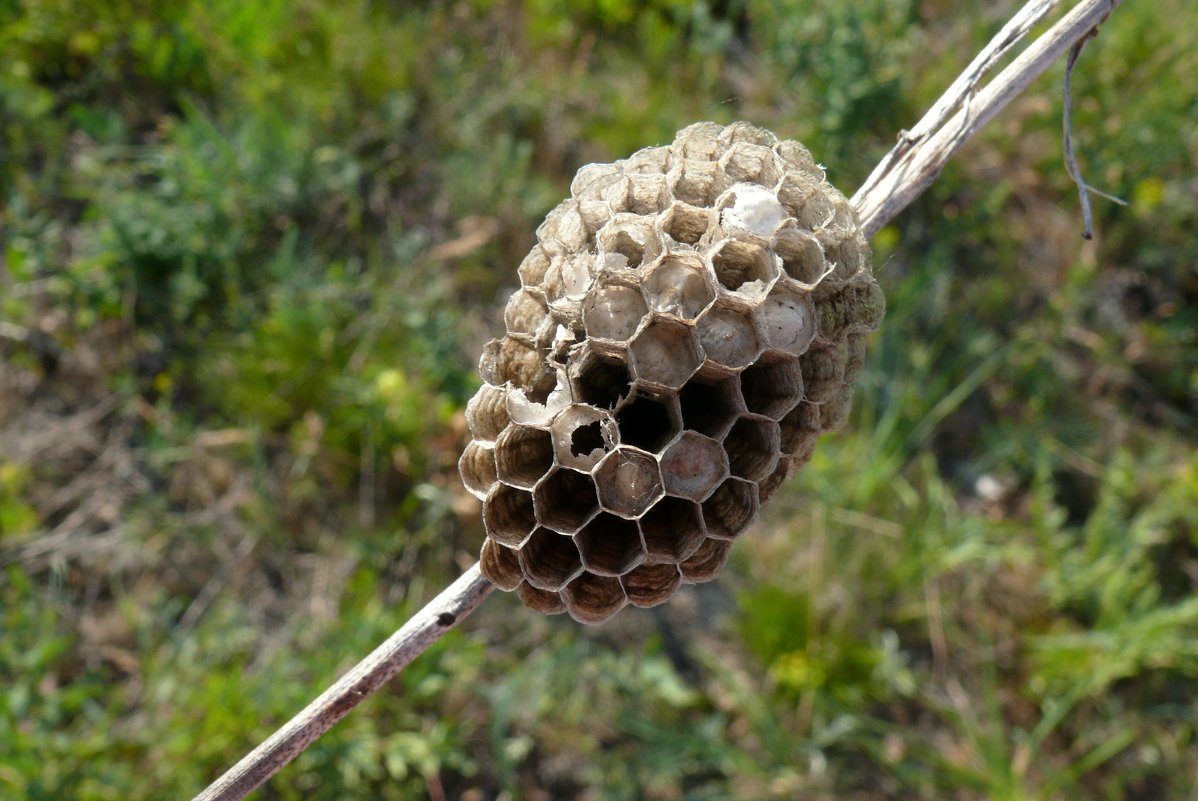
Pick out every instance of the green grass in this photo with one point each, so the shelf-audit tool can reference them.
(250, 253)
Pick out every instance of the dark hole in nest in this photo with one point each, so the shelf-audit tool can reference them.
(586, 439)
(707, 408)
(645, 423)
(603, 382)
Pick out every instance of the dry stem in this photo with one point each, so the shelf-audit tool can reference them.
(901, 176)
(912, 166)
(413, 638)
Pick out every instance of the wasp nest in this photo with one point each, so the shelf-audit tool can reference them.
(689, 322)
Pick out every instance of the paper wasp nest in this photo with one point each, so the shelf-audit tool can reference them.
(690, 321)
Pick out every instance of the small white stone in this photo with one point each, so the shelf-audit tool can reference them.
(989, 488)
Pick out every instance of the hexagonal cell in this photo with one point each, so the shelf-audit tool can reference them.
(558, 340)
(565, 500)
(595, 214)
(543, 601)
(582, 435)
(646, 194)
(486, 413)
(697, 182)
(804, 450)
(508, 515)
(673, 530)
(751, 163)
(750, 209)
(563, 225)
(602, 380)
(477, 467)
(870, 306)
(632, 237)
(513, 358)
(817, 211)
(744, 267)
(730, 509)
(747, 132)
(728, 335)
(665, 352)
(795, 155)
(678, 284)
(698, 140)
(707, 562)
(537, 404)
(591, 179)
(550, 560)
(752, 447)
(834, 413)
(854, 357)
(534, 266)
(774, 480)
(823, 373)
(648, 161)
(796, 188)
(710, 405)
(788, 321)
(845, 248)
(801, 254)
(650, 585)
(593, 599)
(569, 276)
(613, 312)
(833, 314)
(686, 223)
(693, 466)
(616, 195)
(800, 423)
(628, 481)
(523, 455)
(588, 440)
(500, 565)
(610, 545)
(647, 422)
(525, 311)
(772, 388)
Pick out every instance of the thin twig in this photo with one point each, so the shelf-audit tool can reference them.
(959, 92)
(426, 627)
(886, 195)
(899, 179)
(1071, 165)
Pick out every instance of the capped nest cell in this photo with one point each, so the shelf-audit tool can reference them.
(689, 322)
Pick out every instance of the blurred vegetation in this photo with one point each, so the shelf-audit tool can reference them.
(251, 250)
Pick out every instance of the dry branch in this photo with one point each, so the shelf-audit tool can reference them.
(914, 165)
(900, 177)
(413, 638)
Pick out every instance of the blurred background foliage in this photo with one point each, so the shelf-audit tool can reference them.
(251, 250)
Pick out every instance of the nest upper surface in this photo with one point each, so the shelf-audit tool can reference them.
(689, 322)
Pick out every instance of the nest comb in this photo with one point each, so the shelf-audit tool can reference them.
(689, 322)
